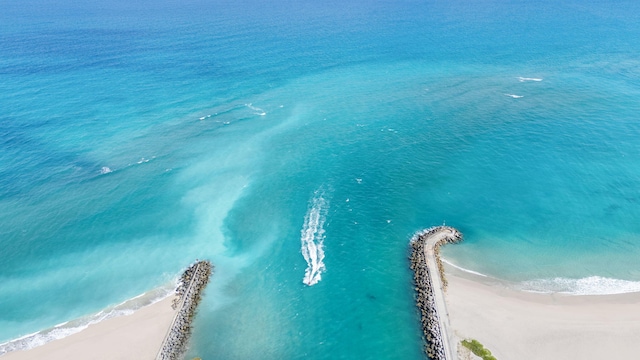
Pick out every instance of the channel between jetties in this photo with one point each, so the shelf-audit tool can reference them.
(430, 285)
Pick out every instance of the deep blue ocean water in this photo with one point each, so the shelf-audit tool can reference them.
(307, 141)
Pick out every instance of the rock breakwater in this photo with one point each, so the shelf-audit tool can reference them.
(429, 286)
(189, 293)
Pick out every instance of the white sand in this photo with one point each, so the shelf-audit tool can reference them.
(520, 325)
(136, 336)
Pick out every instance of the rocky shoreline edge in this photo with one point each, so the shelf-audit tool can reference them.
(189, 293)
(425, 293)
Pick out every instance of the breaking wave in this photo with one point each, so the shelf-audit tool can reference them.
(592, 285)
(523, 79)
(65, 329)
(312, 239)
(257, 110)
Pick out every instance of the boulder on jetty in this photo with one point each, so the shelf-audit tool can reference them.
(189, 293)
(425, 299)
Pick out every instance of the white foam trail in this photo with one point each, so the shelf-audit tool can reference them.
(461, 268)
(105, 170)
(523, 79)
(65, 329)
(257, 110)
(312, 239)
(515, 96)
(592, 285)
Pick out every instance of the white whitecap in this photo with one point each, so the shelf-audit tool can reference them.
(592, 285)
(312, 239)
(105, 170)
(257, 110)
(514, 96)
(523, 79)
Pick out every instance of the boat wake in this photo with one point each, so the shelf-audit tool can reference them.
(312, 239)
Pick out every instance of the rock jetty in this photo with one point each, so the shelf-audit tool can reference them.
(429, 286)
(189, 293)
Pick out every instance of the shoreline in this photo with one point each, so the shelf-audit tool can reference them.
(74, 326)
(518, 324)
(157, 327)
(138, 335)
(568, 286)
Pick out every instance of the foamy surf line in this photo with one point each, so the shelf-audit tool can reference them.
(312, 239)
(592, 285)
(71, 327)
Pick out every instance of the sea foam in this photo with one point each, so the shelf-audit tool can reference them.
(65, 329)
(312, 239)
(257, 110)
(523, 79)
(592, 285)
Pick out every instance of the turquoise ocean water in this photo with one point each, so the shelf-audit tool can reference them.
(305, 142)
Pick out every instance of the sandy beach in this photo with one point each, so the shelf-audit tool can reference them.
(521, 325)
(135, 336)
